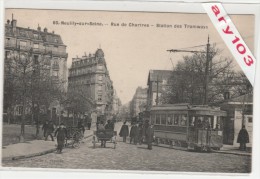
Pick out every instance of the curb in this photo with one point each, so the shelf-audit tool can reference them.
(35, 154)
(230, 152)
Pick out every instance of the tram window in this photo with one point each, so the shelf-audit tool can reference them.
(176, 119)
(170, 119)
(157, 119)
(199, 121)
(163, 119)
(153, 118)
(192, 121)
(183, 120)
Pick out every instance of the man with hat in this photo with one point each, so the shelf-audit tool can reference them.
(61, 134)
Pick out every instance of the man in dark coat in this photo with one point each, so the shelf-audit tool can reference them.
(124, 131)
(44, 128)
(134, 134)
(49, 131)
(140, 133)
(61, 134)
(150, 136)
(243, 138)
(109, 125)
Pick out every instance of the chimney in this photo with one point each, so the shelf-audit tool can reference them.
(45, 30)
(39, 28)
(13, 24)
(53, 32)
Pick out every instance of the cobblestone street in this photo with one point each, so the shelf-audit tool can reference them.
(136, 157)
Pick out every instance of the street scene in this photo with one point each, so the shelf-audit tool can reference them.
(129, 91)
(128, 156)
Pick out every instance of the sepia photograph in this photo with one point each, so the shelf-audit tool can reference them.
(124, 91)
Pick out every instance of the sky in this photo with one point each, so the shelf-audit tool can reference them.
(130, 52)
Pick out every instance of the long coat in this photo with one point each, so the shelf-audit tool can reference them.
(61, 134)
(149, 134)
(134, 131)
(124, 131)
(243, 136)
(50, 128)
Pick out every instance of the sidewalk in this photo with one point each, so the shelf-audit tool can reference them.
(32, 148)
(229, 149)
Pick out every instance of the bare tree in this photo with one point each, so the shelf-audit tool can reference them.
(188, 79)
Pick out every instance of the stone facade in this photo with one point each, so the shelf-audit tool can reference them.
(42, 47)
(139, 101)
(89, 77)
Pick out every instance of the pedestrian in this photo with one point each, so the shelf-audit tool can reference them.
(243, 138)
(61, 134)
(89, 121)
(101, 128)
(44, 128)
(109, 125)
(124, 131)
(133, 133)
(49, 130)
(150, 136)
(140, 133)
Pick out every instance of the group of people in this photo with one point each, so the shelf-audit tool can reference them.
(101, 127)
(138, 133)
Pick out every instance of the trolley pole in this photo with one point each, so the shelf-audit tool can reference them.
(205, 101)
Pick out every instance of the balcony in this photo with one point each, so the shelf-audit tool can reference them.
(10, 44)
(13, 46)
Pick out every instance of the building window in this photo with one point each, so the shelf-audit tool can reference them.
(99, 88)
(55, 73)
(36, 36)
(100, 78)
(22, 44)
(35, 59)
(250, 119)
(99, 97)
(100, 67)
(35, 46)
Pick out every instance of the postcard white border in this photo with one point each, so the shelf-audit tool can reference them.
(245, 7)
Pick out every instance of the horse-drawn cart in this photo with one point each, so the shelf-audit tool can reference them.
(105, 136)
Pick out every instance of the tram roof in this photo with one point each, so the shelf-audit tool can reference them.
(185, 106)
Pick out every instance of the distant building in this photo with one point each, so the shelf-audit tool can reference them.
(139, 102)
(116, 104)
(157, 82)
(239, 111)
(89, 76)
(42, 47)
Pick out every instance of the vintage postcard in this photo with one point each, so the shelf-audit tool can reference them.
(124, 91)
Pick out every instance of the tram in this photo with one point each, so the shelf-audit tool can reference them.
(195, 127)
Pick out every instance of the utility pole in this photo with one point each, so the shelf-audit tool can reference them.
(207, 66)
(205, 101)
